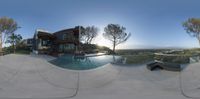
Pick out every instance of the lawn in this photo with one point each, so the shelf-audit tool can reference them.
(145, 55)
(138, 59)
(22, 52)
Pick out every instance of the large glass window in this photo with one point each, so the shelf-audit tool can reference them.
(61, 48)
(66, 47)
(65, 37)
(46, 42)
(68, 36)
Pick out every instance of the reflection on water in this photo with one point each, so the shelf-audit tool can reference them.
(84, 63)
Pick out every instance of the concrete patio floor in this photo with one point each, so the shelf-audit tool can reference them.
(33, 77)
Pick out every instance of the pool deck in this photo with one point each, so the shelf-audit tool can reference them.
(33, 77)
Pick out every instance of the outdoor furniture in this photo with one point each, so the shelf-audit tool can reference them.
(164, 65)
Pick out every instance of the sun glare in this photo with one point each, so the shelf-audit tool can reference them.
(101, 41)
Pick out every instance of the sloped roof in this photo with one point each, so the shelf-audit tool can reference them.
(45, 35)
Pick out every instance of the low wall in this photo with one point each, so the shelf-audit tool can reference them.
(181, 59)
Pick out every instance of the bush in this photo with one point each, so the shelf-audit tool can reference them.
(20, 49)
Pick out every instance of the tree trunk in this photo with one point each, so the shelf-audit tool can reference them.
(198, 39)
(90, 40)
(87, 41)
(114, 46)
(13, 47)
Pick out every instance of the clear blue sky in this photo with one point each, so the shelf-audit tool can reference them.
(152, 23)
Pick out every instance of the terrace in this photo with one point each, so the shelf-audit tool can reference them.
(32, 76)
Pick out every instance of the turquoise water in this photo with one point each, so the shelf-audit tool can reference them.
(84, 63)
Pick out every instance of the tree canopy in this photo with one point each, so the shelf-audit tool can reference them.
(88, 34)
(116, 34)
(7, 27)
(192, 27)
(14, 39)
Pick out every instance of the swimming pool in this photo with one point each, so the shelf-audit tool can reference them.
(84, 63)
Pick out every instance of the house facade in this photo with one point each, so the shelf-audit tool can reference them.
(63, 41)
(28, 43)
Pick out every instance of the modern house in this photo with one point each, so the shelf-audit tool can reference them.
(28, 43)
(63, 41)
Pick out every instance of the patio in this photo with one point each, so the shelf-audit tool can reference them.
(33, 77)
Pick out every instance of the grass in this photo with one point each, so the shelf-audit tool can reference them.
(144, 55)
(22, 52)
(137, 56)
(138, 59)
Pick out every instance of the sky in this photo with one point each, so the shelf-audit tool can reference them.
(152, 23)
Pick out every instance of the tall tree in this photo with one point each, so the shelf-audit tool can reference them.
(116, 34)
(14, 39)
(89, 33)
(7, 27)
(192, 27)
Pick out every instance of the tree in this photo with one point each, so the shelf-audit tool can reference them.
(192, 27)
(7, 27)
(14, 39)
(116, 34)
(89, 33)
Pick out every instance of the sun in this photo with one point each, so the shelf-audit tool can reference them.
(101, 41)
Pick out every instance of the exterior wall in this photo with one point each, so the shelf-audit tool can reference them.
(34, 42)
(65, 35)
(65, 41)
(28, 42)
(41, 43)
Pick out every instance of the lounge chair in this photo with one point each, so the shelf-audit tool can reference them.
(164, 65)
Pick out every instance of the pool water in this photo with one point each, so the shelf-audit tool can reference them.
(84, 63)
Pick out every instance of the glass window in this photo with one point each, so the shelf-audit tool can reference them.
(68, 36)
(46, 42)
(68, 47)
(60, 47)
(65, 36)
(29, 41)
